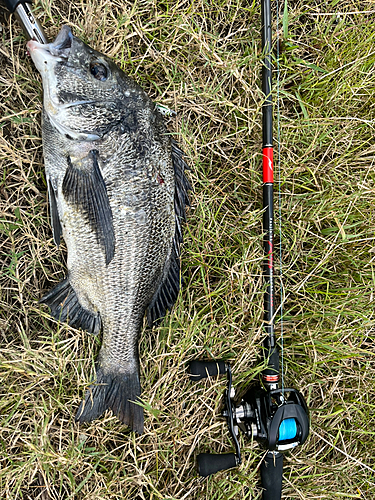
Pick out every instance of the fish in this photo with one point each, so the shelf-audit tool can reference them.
(118, 193)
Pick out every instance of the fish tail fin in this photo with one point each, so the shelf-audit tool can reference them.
(116, 391)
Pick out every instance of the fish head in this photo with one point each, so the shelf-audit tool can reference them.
(85, 93)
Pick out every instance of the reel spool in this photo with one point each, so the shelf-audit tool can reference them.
(277, 419)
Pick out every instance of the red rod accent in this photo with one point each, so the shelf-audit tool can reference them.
(268, 165)
(270, 378)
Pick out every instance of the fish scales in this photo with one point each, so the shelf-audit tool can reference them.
(117, 189)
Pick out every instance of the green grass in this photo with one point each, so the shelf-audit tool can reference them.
(203, 60)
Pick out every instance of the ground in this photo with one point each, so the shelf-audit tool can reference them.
(203, 60)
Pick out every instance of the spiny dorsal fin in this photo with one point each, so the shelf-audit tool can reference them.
(84, 187)
(64, 305)
(167, 292)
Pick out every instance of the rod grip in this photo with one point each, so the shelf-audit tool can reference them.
(209, 463)
(203, 369)
(271, 473)
(11, 5)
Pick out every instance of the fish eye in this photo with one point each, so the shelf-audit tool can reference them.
(99, 71)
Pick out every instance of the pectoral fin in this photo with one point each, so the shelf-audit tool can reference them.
(84, 187)
(55, 219)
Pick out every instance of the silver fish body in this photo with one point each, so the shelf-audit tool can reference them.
(117, 192)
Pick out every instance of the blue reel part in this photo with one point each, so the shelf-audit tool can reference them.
(288, 429)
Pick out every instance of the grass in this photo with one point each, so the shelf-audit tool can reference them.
(203, 60)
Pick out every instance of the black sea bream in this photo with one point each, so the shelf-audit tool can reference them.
(117, 194)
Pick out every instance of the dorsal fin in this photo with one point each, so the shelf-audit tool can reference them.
(167, 292)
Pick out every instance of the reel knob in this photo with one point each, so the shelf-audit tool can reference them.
(208, 463)
(203, 369)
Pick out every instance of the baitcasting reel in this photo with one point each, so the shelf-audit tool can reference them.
(277, 419)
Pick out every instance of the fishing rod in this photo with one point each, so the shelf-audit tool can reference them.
(29, 24)
(274, 416)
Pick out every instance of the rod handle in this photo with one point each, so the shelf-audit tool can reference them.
(271, 473)
(202, 369)
(209, 464)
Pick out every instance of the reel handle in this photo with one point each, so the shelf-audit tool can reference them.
(203, 369)
(271, 474)
(208, 463)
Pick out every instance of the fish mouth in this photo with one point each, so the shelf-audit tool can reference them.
(45, 57)
(57, 51)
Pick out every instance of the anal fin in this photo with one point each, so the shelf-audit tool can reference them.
(64, 306)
